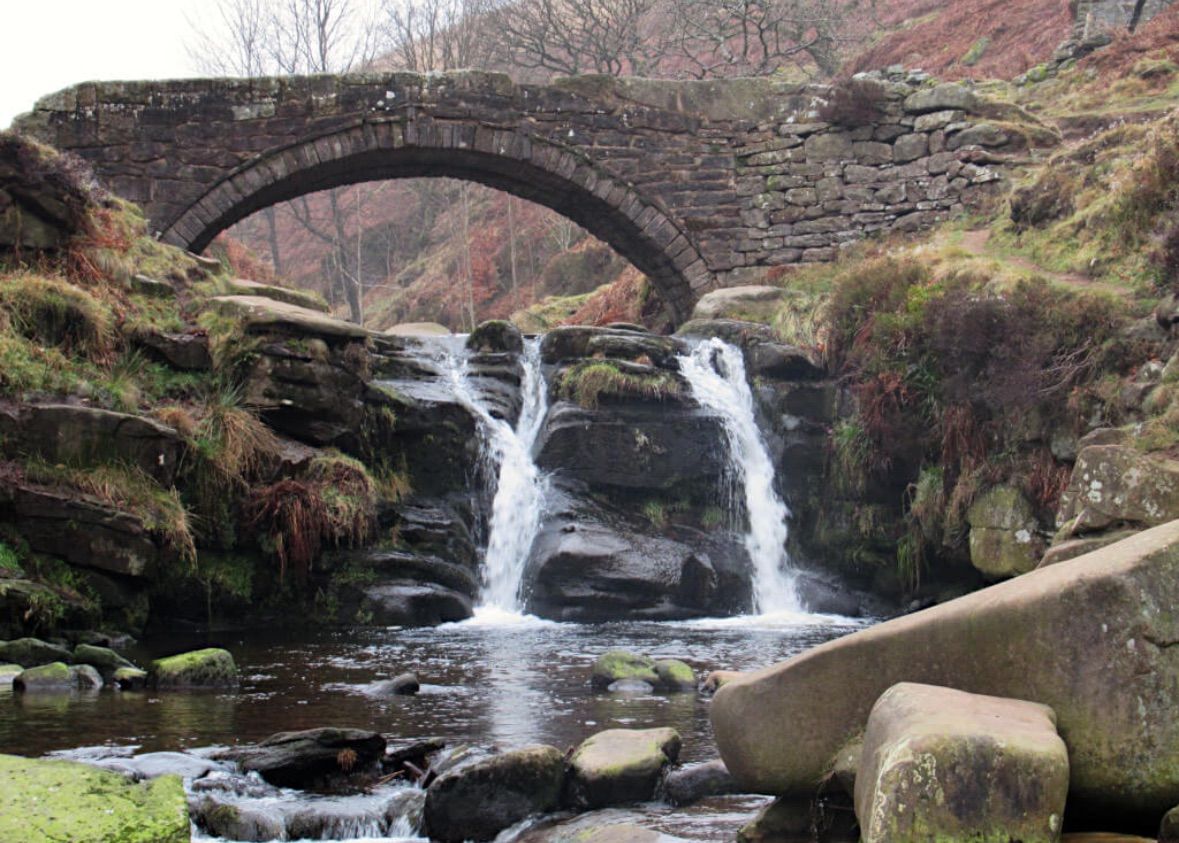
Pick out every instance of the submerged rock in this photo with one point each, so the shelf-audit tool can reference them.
(57, 677)
(940, 764)
(620, 765)
(693, 782)
(478, 800)
(130, 679)
(300, 759)
(1094, 642)
(403, 685)
(239, 821)
(208, 668)
(62, 800)
(631, 686)
(617, 665)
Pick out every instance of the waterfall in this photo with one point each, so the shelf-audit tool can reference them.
(715, 371)
(520, 487)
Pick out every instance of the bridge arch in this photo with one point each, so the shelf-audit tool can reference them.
(515, 162)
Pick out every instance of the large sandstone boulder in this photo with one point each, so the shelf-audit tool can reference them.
(620, 765)
(738, 302)
(1092, 638)
(410, 603)
(940, 764)
(61, 800)
(1116, 484)
(477, 801)
(1004, 533)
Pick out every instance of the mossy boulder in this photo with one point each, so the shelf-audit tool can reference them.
(674, 675)
(1091, 638)
(496, 337)
(9, 672)
(1004, 534)
(58, 677)
(208, 668)
(616, 665)
(478, 800)
(1116, 484)
(104, 659)
(30, 652)
(55, 676)
(62, 800)
(940, 764)
(620, 766)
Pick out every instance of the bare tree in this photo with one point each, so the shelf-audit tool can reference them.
(613, 37)
(756, 37)
(435, 35)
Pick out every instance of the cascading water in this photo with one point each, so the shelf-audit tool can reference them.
(715, 371)
(520, 487)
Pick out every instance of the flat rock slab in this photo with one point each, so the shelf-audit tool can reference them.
(477, 801)
(62, 800)
(621, 765)
(940, 764)
(287, 295)
(1091, 637)
(262, 314)
(301, 759)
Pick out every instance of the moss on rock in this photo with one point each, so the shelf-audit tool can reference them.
(620, 664)
(62, 800)
(208, 668)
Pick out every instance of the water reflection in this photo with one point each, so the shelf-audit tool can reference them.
(505, 683)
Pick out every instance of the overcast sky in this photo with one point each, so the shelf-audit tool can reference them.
(52, 44)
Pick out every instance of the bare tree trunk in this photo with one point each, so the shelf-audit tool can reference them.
(465, 190)
(512, 245)
(272, 236)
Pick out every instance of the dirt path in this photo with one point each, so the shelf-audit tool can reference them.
(977, 241)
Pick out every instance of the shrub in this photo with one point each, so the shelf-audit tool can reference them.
(231, 448)
(335, 501)
(588, 382)
(56, 313)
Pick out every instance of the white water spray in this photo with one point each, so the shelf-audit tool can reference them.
(520, 488)
(715, 371)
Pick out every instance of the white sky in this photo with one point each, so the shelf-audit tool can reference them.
(47, 45)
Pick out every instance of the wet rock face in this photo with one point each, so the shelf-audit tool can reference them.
(633, 446)
(476, 801)
(303, 759)
(592, 563)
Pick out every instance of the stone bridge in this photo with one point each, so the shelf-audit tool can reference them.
(698, 184)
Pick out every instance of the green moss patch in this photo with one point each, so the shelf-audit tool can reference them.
(61, 800)
(590, 382)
